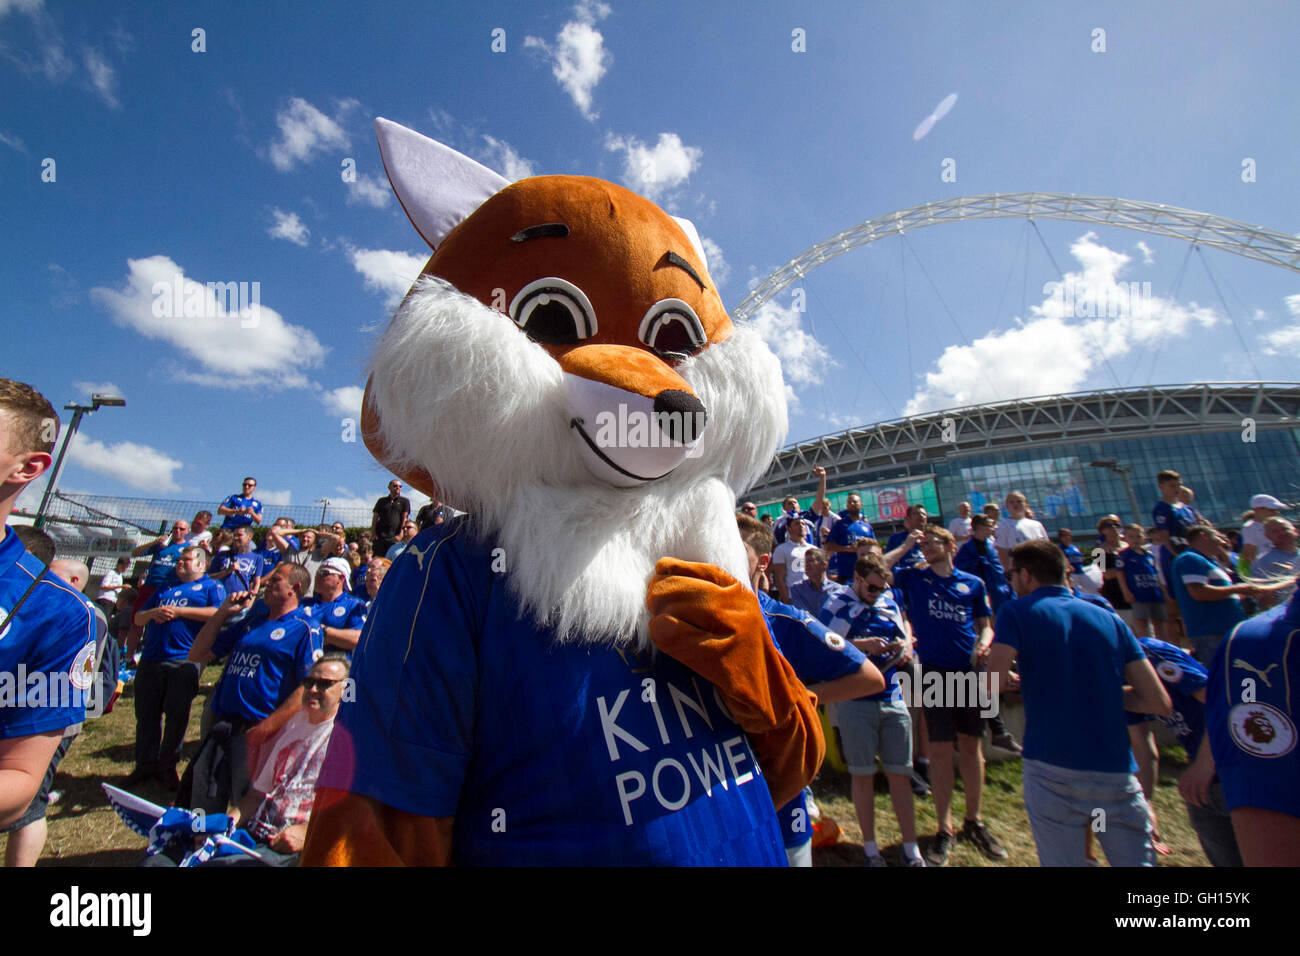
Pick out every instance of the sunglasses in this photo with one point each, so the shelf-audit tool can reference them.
(320, 683)
(874, 589)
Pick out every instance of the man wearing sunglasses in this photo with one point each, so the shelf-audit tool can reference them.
(389, 515)
(242, 509)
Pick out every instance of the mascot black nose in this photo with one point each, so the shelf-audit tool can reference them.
(680, 415)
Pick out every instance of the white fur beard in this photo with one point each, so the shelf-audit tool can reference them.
(464, 394)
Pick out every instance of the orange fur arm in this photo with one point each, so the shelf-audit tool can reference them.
(709, 621)
(347, 829)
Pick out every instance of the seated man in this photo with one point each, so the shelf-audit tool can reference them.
(340, 615)
(276, 808)
(271, 650)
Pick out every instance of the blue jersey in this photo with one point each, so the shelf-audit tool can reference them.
(171, 640)
(1074, 556)
(1250, 711)
(847, 533)
(1204, 617)
(943, 612)
(545, 753)
(358, 582)
(162, 569)
(47, 649)
(911, 558)
(811, 599)
(1182, 676)
(345, 612)
(980, 558)
(850, 618)
(268, 661)
(1175, 518)
(241, 501)
(1139, 570)
(816, 654)
(1071, 657)
(251, 565)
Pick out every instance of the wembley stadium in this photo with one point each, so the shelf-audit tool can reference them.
(1077, 457)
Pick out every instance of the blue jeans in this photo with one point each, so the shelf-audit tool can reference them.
(1063, 803)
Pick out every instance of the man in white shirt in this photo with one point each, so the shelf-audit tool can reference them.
(1253, 540)
(788, 559)
(110, 586)
(960, 526)
(1017, 528)
(200, 535)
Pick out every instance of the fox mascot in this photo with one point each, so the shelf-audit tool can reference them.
(576, 671)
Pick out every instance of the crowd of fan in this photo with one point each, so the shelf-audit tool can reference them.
(923, 605)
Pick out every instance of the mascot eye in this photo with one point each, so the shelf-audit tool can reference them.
(672, 329)
(554, 312)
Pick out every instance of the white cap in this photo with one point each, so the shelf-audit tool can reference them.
(338, 566)
(1267, 501)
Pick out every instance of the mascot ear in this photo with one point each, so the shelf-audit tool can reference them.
(437, 186)
(688, 227)
(371, 434)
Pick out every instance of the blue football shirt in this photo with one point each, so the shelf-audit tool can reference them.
(1250, 711)
(345, 612)
(1071, 657)
(847, 533)
(171, 640)
(241, 501)
(162, 569)
(816, 654)
(1139, 570)
(251, 565)
(268, 661)
(545, 753)
(47, 649)
(1183, 676)
(1204, 617)
(981, 559)
(852, 619)
(943, 612)
(912, 557)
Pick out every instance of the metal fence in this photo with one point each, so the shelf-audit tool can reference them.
(153, 515)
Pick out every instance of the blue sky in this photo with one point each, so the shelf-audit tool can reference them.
(227, 165)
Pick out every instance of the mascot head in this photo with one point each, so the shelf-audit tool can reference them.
(564, 370)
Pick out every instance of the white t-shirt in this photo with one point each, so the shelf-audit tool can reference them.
(959, 528)
(288, 775)
(1011, 533)
(202, 539)
(109, 586)
(791, 555)
(1253, 533)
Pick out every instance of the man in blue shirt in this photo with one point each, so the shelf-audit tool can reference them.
(978, 557)
(914, 521)
(843, 540)
(47, 630)
(811, 594)
(1250, 718)
(242, 568)
(1207, 598)
(1140, 583)
(1065, 541)
(243, 509)
(1184, 679)
(270, 651)
(950, 616)
(339, 614)
(829, 666)
(166, 682)
(879, 723)
(1075, 664)
(164, 551)
(1172, 519)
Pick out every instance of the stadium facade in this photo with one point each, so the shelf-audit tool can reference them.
(1228, 440)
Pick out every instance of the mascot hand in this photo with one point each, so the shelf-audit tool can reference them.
(709, 621)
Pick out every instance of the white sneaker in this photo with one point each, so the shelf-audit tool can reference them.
(917, 860)
(875, 859)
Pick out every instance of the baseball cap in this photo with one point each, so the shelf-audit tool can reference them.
(1267, 501)
(338, 566)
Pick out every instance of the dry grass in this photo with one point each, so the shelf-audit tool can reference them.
(83, 831)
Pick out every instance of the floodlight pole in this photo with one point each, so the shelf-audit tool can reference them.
(51, 486)
(324, 505)
(1123, 471)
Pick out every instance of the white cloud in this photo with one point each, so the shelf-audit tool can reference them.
(14, 143)
(388, 271)
(803, 358)
(578, 58)
(137, 466)
(501, 156)
(344, 402)
(87, 389)
(305, 130)
(288, 226)
(280, 499)
(1286, 340)
(653, 171)
(369, 191)
(1090, 318)
(719, 269)
(19, 6)
(1148, 257)
(102, 76)
(225, 345)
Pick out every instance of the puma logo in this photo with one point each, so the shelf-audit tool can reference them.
(419, 555)
(1263, 674)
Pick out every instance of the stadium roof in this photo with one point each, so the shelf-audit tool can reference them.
(1048, 419)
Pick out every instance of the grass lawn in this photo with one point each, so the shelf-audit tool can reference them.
(83, 831)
